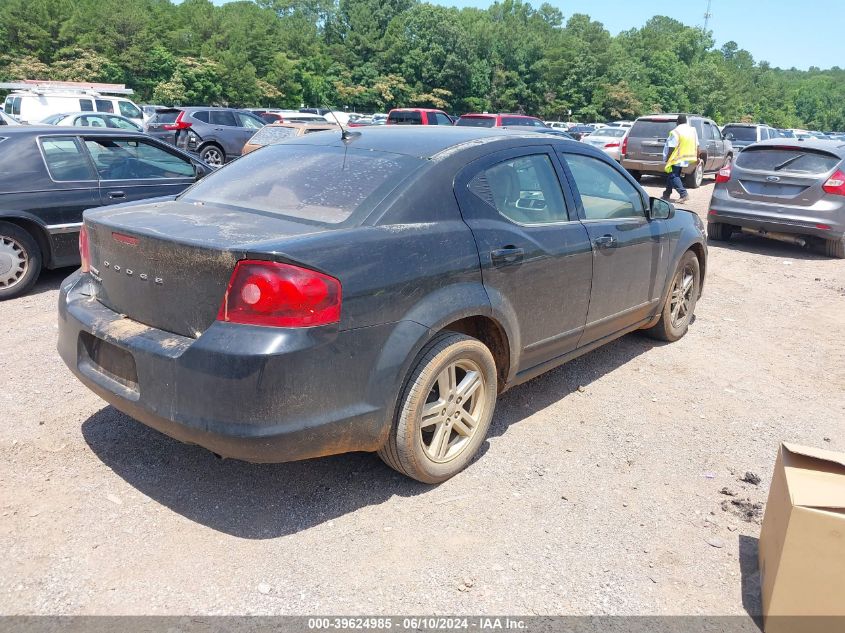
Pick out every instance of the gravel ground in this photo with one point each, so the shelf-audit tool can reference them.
(597, 493)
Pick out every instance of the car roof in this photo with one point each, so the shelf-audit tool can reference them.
(423, 141)
(826, 145)
(745, 125)
(416, 110)
(55, 130)
(495, 114)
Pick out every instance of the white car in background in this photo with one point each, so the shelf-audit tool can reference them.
(626, 124)
(33, 101)
(93, 119)
(608, 139)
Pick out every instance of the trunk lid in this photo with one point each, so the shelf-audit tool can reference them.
(167, 264)
(788, 175)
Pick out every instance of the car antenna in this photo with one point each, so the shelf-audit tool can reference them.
(344, 133)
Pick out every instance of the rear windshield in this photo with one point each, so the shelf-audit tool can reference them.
(795, 161)
(645, 128)
(319, 184)
(740, 133)
(479, 121)
(166, 117)
(521, 120)
(405, 118)
(271, 134)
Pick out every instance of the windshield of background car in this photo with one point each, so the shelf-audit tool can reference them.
(319, 184)
(645, 128)
(478, 121)
(777, 159)
(740, 133)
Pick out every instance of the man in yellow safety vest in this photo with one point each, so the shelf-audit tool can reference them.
(680, 151)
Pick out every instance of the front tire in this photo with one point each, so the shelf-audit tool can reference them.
(20, 260)
(679, 306)
(694, 180)
(444, 409)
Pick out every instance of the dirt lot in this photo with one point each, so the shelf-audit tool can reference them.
(598, 491)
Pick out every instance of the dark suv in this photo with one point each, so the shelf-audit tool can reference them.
(217, 135)
(744, 134)
(642, 149)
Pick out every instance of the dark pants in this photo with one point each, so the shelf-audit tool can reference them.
(674, 181)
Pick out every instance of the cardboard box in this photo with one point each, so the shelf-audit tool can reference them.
(802, 543)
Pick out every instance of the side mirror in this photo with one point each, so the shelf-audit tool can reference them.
(660, 209)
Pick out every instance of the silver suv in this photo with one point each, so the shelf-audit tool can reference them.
(642, 151)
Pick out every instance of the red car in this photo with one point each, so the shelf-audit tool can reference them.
(418, 116)
(498, 120)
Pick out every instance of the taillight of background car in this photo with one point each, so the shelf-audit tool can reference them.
(280, 295)
(178, 124)
(624, 150)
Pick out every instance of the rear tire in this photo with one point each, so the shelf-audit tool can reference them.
(444, 409)
(694, 180)
(20, 260)
(679, 307)
(213, 155)
(835, 248)
(718, 232)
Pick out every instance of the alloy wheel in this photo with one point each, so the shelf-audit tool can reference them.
(13, 262)
(682, 296)
(453, 410)
(212, 156)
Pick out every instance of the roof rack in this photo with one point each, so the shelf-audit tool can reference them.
(39, 87)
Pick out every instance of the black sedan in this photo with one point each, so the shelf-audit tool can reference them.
(371, 291)
(50, 175)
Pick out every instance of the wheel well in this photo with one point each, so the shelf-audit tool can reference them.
(698, 249)
(215, 143)
(37, 233)
(493, 336)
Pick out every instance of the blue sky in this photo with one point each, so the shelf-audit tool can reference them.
(785, 33)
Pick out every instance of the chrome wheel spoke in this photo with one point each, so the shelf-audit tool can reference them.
(469, 385)
(440, 442)
(432, 413)
(465, 424)
(13, 262)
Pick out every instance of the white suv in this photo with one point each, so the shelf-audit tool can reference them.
(31, 102)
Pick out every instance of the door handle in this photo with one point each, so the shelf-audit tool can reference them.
(605, 241)
(117, 194)
(507, 256)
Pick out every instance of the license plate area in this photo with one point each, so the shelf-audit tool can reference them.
(108, 364)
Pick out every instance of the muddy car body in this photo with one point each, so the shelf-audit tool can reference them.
(403, 269)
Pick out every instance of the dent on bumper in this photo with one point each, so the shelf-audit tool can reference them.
(250, 393)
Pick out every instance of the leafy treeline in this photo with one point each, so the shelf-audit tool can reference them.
(371, 55)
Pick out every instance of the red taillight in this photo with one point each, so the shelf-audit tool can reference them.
(178, 124)
(612, 145)
(625, 145)
(280, 295)
(724, 174)
(84, 251)
(835, 184)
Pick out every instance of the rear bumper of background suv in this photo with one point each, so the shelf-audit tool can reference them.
(651, 166)
(258, 394)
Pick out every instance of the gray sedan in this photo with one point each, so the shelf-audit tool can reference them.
(784, 189)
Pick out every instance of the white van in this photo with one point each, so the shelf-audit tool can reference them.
(32, 101)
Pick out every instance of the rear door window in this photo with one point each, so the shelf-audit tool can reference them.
(65, 159)
(222, 117)
(787, 160)
(104, 105)
(86, 105)
(132, 159)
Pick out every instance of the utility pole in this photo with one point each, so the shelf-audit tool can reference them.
(707, 15)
